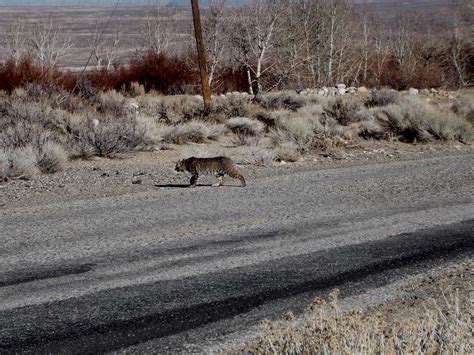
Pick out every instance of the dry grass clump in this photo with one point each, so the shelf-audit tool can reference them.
(382, 97)
(107, 138)
(344, 111)
(464, 106)
(19, 162)
(246, 130)
(414, 120)
(194, 132)
(288, 151)
(308, 130)
(112, 103)
(184, 108)
(230, 106)
(256, 155)
(15, 110)
(442, 329)
(289, 100)
(51, 157)
(136, 89)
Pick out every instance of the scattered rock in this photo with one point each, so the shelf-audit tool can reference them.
(95, 122)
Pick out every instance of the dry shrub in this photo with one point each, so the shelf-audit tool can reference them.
(136, 89)
(244, 126)
(371, 128)
(19, 162)
(343, 110)
(414, 120)
(325, 329)
(173, 109)
(51, 157)
(382, 97)
(288, 151)
(464, 106)
(257, 156)
(109, 138)
(289, 100)
(296, 131)
(308, 130)
(26, 120)
(195, 132)
(230, 106)
(112, 103)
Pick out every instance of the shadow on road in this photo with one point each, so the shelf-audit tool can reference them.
(180, 186)
(185, 186)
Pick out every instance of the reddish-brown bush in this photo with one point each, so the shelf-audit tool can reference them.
(15, 74)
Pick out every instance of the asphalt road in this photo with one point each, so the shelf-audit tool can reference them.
(175, 269)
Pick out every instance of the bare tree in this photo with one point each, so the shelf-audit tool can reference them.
(105, 47)
(15, 40)
(112, 47)
(215, 35)
(97, 42)
(309, 26)
(254, 36)
(336, 13)
(459, 45)
(49, 43)
(160, 28)
(291, 46)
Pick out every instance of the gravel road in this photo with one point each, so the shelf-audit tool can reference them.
(177, 269)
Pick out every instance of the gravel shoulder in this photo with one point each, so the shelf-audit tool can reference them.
(148, 171)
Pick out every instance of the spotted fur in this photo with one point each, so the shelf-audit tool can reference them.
(218, 166)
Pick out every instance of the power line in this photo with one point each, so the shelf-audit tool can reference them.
(95, 46)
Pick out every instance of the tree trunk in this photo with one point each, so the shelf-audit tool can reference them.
(206, 90)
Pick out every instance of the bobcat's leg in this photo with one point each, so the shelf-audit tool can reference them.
(220, 180)
(237, 175)
(193, 181)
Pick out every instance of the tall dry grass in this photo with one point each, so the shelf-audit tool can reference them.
(443, 328)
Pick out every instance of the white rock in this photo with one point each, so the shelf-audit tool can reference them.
(362, 89)
(95, 122)
(131, 104)
(351, 90)
(413, 91)
(341, 91)
(340, 86)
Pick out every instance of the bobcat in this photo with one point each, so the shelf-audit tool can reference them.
(219, 166)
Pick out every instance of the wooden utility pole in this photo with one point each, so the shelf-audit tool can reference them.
(206, 90)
